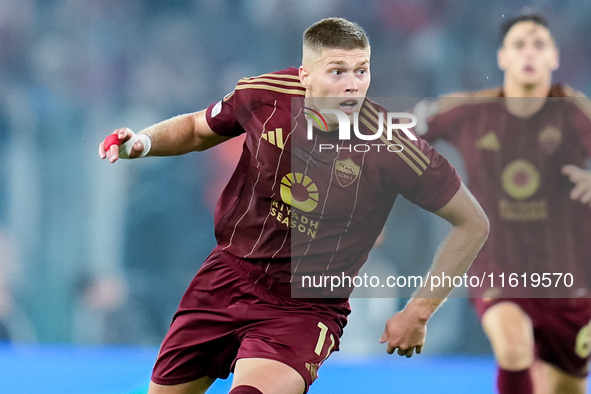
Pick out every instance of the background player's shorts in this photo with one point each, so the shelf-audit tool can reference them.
(228, 313)
(562, 329)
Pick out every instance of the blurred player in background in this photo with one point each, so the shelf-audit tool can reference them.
(524, 157)
(238, 314)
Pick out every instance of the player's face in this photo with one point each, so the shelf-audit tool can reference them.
(342, 74)
(528, 55)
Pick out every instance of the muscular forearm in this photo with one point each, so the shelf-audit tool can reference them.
(406, 330)
(453, 259)
(174, 136)
(470, 230)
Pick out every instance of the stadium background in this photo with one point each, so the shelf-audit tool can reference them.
(94, 258)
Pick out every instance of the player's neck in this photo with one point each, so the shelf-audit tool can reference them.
(512, 88)
(531, 97)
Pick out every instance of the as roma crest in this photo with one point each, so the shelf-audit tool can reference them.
(549, 139)
(346, 171)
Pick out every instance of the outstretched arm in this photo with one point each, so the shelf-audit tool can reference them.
(175, 136)
(582, 180)
(406, 330)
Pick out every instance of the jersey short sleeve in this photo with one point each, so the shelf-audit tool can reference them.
(221, 117)
(437, 184)
(419, 173)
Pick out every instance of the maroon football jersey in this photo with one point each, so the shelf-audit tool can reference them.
(514, 170)
(291, 205)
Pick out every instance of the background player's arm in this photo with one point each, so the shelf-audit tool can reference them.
(176, 136)
(406, 330)
(582, 180)
(581, 121)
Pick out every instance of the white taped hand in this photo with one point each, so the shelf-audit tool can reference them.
(125, 148)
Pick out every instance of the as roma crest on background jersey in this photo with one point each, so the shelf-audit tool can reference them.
(549, 139)
(346, 171)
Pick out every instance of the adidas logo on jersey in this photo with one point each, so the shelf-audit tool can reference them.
(489, 142)
(274, 137)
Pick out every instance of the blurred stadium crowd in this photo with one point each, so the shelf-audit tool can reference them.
(92, 253)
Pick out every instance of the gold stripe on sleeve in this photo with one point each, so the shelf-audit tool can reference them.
(274, 81)
(286, 76)
(272, 88)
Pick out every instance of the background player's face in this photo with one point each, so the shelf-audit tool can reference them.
(528, 55)
(339, 73)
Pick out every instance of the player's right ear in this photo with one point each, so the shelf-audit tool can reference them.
(304, 73)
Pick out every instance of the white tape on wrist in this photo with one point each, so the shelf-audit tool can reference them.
(125, 148)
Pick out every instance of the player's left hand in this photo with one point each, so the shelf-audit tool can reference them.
(406, 332)
(582, 180)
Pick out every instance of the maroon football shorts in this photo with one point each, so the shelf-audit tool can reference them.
(230, 311)
(562, 329)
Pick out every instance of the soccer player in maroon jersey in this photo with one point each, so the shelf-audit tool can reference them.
(524, 145)
(289, 202)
